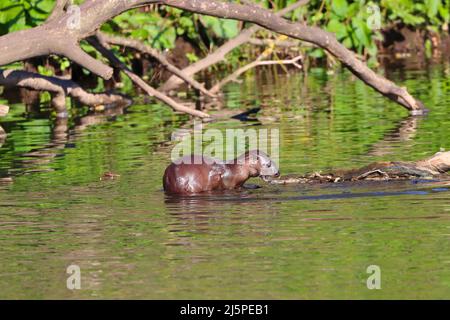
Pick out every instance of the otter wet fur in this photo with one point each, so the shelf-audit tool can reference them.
(196, 174)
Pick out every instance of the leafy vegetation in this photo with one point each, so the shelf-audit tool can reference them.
(23, 14)
(351, 21)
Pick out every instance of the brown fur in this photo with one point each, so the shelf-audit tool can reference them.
(196, 174)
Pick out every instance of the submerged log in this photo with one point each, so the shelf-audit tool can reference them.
(432, 167)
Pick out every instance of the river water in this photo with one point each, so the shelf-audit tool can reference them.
(294, 242)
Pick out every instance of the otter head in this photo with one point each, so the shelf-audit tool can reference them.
(259, 164)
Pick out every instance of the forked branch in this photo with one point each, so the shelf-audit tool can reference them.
(57, 36)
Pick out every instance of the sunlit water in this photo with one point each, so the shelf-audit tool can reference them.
(296, 242)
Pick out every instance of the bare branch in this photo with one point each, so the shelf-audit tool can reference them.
(57, 36)
(139, 46)
(240, 71)
(220, 53)
(314, 35)
(61, 39)
(439, 163)
(105, 51)
(77, 55)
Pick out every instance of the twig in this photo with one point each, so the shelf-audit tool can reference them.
(366, 174)
(238, 72)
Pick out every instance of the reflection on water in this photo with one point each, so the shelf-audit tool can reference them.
(296, 241)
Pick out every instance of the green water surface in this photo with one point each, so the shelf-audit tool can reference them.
(293, 242)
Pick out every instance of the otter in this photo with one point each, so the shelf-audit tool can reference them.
(195, 174)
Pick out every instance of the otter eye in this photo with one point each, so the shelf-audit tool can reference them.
(269, 165)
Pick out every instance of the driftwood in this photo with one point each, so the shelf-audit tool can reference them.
(59, 88)
(432, 167)
(58, 36)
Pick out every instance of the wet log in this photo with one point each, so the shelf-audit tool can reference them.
(433, 167)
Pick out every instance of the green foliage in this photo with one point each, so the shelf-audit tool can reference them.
(350, 24)
(145, 26)
(23, 14)
(349, 20)
(222, 28)
(430, 12)
(160, 28)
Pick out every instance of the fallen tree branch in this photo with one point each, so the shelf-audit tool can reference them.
(256, 63)
(314, 35)
(60, 89)
(61, 38)
(220, 53)
(103, 48)
(139, 46)
(438, 163)
(433, 167)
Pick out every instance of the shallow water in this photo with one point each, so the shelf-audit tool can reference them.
(296, 242)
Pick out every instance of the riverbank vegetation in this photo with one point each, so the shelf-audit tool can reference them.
(165, 44)
(160, 27)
